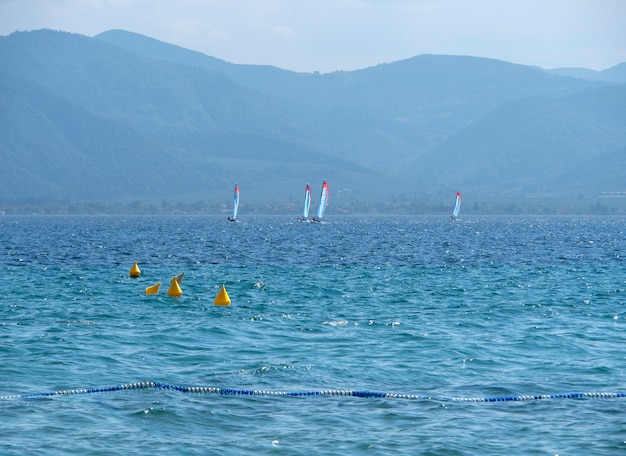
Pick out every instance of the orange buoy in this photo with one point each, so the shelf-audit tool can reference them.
(174, 290)
(154, 289)
(134, 271)
(222, 298)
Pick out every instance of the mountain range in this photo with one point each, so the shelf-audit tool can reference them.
(122, 117)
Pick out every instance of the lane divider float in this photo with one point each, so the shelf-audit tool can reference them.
(350, 393)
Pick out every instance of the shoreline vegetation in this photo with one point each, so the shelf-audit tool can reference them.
(521, 206)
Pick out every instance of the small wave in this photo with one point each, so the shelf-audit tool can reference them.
(77, 322)
(336, 323)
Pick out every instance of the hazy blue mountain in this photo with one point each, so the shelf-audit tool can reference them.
(539, 146)
(403, 108)
(581, 73)
(124, 117)
(616, 74)
(177, 130)
(54, 150)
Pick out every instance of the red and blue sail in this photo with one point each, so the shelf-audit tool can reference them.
(323, 201)
(457, 205)
(235, 204)
(307, 202)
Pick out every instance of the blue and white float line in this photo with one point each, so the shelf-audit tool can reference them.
(351, 393)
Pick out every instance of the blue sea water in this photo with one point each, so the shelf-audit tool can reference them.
(483, 307)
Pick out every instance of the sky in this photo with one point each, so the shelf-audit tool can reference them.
(333, 35)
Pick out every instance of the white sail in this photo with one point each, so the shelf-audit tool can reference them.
(233, 217)
(323, 202)
(457, 206)
(307, 203)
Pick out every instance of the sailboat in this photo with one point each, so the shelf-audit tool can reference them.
(233, 217)
(457, 206)
(323, 202)
(307, 205)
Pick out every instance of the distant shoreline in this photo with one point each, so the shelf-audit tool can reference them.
(600, 205)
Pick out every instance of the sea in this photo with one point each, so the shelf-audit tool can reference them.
(412, 335)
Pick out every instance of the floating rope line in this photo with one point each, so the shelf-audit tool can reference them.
(352, 393)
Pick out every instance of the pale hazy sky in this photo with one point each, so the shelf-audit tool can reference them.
(329, 35)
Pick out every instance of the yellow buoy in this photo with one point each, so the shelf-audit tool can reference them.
(154, 289)
(179, 278)
(175, 289)
(134, 271)
(222, 298)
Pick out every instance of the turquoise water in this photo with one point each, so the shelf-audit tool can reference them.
(484, 307)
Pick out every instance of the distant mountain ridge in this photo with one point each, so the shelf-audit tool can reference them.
(122, 116)
(615, 74)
